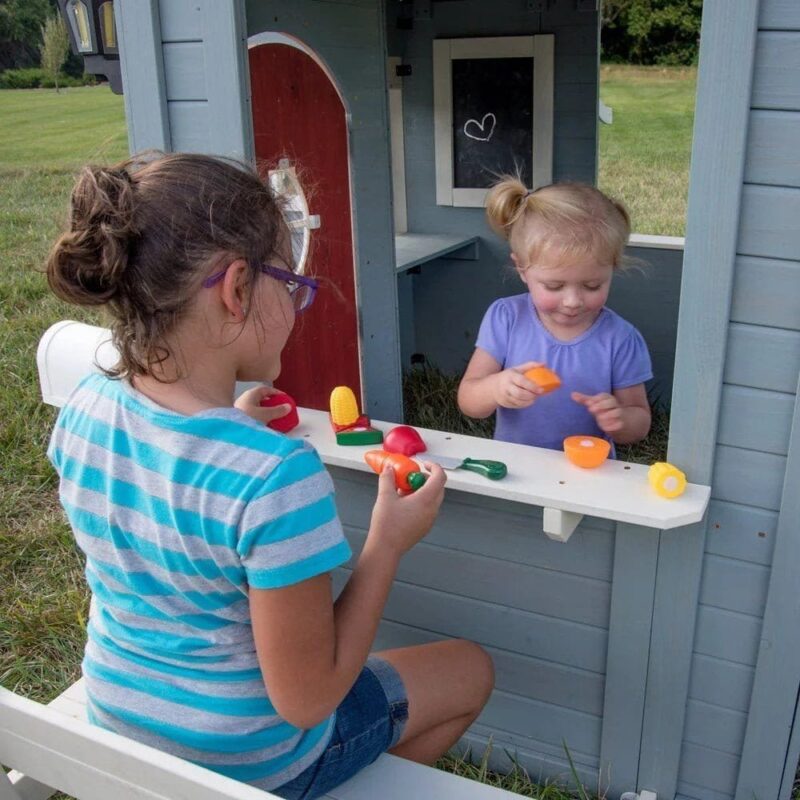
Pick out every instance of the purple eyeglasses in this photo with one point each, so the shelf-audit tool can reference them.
(302, 290)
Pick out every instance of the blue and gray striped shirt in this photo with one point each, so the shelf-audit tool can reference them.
(177, 517)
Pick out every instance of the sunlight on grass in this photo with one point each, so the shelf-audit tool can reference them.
(42, 129)
(645, 152)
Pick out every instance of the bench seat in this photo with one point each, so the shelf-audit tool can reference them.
(56, 747)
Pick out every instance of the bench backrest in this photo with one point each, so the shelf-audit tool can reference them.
(93, 764)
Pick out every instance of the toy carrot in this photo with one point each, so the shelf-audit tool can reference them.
(407, 476)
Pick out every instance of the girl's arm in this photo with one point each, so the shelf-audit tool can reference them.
(485, 386)
(624, 415)
(311, 650)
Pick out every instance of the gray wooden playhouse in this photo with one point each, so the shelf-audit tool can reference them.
(666, 660)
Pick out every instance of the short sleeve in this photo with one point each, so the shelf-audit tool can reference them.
(632, 363)
(494, 331)
(290, 530)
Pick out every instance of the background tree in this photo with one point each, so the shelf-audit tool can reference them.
(20, 25)
(55, 45)
(651, 31)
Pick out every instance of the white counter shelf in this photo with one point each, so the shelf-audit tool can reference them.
(616, 490)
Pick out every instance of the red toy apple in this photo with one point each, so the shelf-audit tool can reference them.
(403, 439)
(289, 420)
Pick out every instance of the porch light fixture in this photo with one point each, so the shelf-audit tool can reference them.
(93, 35)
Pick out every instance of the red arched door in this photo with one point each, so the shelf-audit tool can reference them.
(299, 116)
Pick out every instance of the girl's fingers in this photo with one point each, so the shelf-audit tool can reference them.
(386, 486)
(270, 413)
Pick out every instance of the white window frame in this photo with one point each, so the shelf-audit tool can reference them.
(540, 48)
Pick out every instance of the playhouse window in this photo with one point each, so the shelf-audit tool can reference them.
(285, 183)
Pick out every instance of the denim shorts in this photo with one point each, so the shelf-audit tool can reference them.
(369, 721)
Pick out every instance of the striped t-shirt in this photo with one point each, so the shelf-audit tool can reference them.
(178, 516)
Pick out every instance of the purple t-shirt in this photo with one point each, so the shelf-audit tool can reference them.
(610, 355)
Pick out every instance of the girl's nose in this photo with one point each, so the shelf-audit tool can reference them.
(572, 300)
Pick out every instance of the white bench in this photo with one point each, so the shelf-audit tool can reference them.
(53, 748)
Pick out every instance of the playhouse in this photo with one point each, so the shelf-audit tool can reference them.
(657, 641)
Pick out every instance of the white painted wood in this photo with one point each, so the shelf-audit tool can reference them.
(93, 764)
(60, 367)
(536, 476)
(656, 242)
(412, 249)
(398, 146)
(560, 525)
(7, 791)
(443, 121)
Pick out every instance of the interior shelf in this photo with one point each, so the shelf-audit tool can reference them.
(616, 490)
(413, 249)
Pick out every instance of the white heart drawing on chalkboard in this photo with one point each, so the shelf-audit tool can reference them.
(481, 128)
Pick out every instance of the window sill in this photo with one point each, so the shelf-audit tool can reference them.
(615, 491)
(413, 249)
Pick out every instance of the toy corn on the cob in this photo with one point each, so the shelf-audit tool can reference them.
(351, 427)
(667, 480)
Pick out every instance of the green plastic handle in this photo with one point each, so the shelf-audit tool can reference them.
(490, 469)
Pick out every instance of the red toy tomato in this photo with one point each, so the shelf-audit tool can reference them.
(289, 420)
(403, 439)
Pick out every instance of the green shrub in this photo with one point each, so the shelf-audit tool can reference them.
(36, 78)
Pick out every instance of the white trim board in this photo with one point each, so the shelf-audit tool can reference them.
(536, 476)
(445, 51)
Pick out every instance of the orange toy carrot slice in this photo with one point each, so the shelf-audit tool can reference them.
(407, 476)
(544, 378)
(586, 451)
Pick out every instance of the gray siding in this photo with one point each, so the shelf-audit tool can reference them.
(487, 573)
(756, 412)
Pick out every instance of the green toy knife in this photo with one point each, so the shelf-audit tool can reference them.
(489, 469)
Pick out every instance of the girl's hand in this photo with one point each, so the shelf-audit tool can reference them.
(513, 390)
(399, 521)
(249, 403)
(605, 408)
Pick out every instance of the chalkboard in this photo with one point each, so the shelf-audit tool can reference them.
(492, 120)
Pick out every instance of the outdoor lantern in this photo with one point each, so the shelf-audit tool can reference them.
(93, 35)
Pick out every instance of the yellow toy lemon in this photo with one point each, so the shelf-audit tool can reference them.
(667, 480)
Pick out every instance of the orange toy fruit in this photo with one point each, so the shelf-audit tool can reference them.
(407, 476)
(586, 451)
(544, 378)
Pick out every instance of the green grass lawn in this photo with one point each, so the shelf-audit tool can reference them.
(644, 153)
(45, 138)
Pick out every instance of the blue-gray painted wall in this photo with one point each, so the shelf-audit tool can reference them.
(758, 398)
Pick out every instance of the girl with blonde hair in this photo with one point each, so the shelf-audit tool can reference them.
(567, 242)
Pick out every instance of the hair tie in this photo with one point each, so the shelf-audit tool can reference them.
(527, 194)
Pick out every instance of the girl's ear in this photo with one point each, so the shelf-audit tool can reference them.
(233, 289)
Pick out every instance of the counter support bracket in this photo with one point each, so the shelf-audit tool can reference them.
(560, 525)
